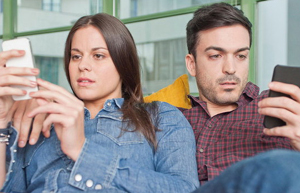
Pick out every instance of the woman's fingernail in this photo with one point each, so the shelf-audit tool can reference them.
(35, 70)
(33, 83)
(21, 51)
(32, 141)
(21, 143)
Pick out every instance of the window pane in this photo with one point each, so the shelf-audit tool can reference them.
(31, 15)
(46, 7)
(133, 8)
(162, 51)
(96, 6)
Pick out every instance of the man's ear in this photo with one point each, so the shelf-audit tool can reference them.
(190, 64)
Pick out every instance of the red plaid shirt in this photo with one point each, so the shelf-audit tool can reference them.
(232, 136)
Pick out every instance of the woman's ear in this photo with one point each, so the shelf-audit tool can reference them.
(190, 64)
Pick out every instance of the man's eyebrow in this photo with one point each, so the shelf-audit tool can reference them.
(223, 50)
(242, 49)
(214, 48)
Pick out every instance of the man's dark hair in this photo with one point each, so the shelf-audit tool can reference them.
(215, 15)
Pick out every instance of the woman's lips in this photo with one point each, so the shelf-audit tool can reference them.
(85, 82)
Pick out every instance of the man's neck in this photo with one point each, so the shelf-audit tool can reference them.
(215, 109)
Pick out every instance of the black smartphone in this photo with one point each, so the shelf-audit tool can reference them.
(285, 74)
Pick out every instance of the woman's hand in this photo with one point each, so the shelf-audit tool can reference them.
(286, 109)
(12, 76)
(66, 112)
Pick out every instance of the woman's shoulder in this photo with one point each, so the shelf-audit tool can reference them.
(163, 106)
(167, 114)
(161, 110)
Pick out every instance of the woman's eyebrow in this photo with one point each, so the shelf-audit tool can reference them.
(98, 48)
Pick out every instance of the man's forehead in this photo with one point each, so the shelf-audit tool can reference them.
(236, 36)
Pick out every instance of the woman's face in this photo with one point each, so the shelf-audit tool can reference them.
(93, 75)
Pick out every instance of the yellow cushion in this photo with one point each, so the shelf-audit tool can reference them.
(174, 94)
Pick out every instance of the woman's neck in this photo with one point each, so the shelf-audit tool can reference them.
(94, 107)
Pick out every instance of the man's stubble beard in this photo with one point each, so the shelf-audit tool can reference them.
(209, 89)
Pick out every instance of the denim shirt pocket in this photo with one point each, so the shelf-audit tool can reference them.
(111, 126)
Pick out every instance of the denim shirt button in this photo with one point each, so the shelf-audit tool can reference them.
(78, 177)
(98, 187)
(15, 151)
(109, 104)
(89, 183)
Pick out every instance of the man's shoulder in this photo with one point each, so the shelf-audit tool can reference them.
(192, 112)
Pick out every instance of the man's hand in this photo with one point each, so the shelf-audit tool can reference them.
(286, 109)
(29, 128)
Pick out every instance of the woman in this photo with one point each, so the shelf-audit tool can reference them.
(103, 138)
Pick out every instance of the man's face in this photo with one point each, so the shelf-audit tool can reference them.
(222, 63)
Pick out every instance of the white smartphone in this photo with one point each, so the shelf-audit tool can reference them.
(25, 61)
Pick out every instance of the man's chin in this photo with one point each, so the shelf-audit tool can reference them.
(229, 90)
(228, 99)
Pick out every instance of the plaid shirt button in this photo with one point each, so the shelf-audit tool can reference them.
(201, 150)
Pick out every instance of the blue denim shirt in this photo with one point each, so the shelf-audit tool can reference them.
(109, 162)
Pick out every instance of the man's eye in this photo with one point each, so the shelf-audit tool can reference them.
(215, 56)
(242, 57)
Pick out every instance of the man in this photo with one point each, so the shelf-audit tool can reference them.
(227, 117)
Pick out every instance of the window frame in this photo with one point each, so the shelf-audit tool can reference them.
(112, 7)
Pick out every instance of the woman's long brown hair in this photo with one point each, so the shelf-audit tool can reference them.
(123, 52)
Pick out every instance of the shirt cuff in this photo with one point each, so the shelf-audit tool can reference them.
(94, 170)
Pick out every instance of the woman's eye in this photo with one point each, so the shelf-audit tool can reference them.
(98, 56)
(75, 57)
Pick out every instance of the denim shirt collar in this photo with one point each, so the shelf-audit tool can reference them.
(109, 105)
